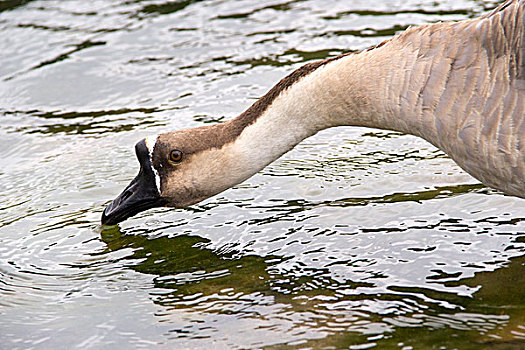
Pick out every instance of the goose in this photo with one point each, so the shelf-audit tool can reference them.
(458, 85)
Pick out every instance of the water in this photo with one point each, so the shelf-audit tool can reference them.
(357, 239)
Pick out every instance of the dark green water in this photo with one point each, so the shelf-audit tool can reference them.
(356, 239)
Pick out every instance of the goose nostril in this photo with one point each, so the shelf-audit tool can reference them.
(126, 195)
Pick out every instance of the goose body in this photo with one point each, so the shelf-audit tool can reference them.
(458, 85)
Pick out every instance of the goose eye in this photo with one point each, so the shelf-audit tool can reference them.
(175, 156)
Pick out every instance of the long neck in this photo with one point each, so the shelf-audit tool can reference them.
(457, 85)
(338, 92)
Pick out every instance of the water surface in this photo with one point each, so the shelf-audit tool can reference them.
(358, 238)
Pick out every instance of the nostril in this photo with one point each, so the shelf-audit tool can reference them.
(127, 193)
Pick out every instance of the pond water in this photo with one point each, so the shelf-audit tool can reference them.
(357, 239)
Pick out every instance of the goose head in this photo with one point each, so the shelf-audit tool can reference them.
(178, 169)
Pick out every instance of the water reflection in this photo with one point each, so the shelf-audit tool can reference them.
(281, 210)
(283, 6)
(93, 122)
(8, 5)
(209, 285)
(165, 8)
(420, 11)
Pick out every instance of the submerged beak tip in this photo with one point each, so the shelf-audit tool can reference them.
(106, 218)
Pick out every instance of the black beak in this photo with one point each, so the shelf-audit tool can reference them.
(141, 193)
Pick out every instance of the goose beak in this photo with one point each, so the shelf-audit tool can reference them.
(141, 193)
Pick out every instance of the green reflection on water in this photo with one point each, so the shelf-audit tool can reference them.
(7, 5)
(191, 274)
(166, 8)
(96, 123)
(192, 268)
